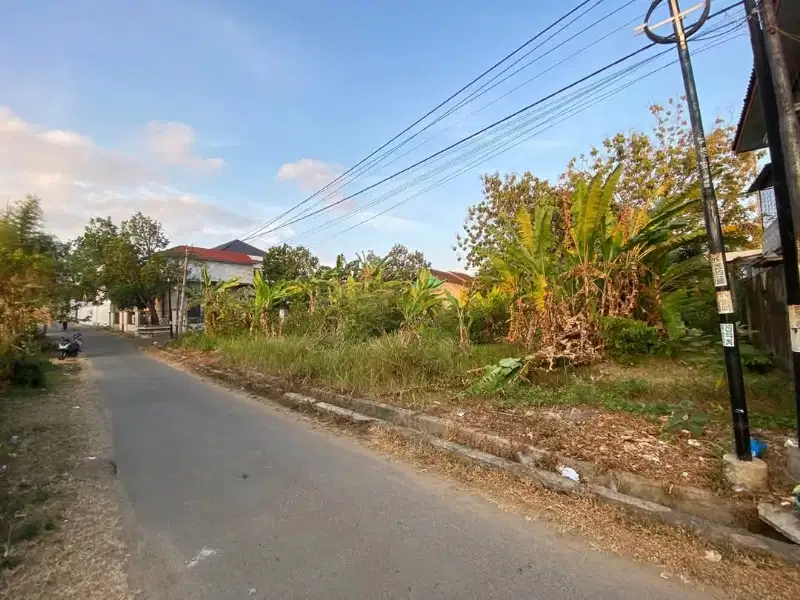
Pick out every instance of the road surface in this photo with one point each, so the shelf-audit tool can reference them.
(226, 498)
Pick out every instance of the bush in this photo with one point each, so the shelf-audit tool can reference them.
(28, 371)
(628, 338)
(755, 360)
(490, 319)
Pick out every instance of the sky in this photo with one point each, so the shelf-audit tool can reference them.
(216, 117)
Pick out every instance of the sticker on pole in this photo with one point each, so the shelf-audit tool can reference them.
(794, 326)
(727, 331)
(724, 302)
(718, 270)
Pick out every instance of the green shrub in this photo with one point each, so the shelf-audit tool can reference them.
(27, 371)
(628, 338)
(755, 360)
(489, 319)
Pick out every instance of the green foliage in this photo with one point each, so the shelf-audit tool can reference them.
(399, 264)
(686, 417)
(420, 300)
(288, 263)
(755, 360)
(626, 338)
(124, 264)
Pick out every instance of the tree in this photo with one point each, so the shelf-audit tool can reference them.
(657, 167)
(399, 264)
(662, 166)
(125, 264)
(31, 285)
(485, 231)
(288, 263)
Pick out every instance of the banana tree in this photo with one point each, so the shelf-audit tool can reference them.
(420, 299)
(210, 296)
(267, 298)
(461, 305)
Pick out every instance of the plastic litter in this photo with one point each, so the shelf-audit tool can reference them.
(569, 473)
(757, 447)
(713, 556)
(694, 443)
(790, 443)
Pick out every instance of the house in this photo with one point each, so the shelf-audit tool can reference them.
(762, 277)
(221, 265)
(454, 281)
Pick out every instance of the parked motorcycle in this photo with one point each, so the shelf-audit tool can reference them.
(68, 348)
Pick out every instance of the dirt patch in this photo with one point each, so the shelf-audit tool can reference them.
(58, 513)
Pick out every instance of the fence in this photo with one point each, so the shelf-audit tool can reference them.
(767, 318)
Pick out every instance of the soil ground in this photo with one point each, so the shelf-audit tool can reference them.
(59, 520)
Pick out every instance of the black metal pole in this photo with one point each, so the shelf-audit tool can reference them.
(769, 104)
(725, 307)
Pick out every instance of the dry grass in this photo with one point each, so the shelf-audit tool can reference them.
(61, 502)
(678, 553)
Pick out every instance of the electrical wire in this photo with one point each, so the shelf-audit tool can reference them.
(477, 133)
(510, 146)
(364, 169)
(527, 43)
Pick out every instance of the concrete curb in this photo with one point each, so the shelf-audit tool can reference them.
(432, 431)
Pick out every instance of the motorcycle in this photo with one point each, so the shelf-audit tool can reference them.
(68, 349)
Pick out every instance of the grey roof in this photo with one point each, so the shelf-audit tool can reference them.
(241, 247)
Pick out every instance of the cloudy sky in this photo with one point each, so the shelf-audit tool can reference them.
(216, 117)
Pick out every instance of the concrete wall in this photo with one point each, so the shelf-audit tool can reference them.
(99, 315)
(219, 271)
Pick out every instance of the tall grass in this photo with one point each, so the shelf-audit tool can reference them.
(389, 365)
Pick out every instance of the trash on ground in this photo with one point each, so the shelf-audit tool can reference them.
(757, 447)
(91, 458)
(694, 443)
(569, 473)
(14, 439)
(713, 556)
(790, 443)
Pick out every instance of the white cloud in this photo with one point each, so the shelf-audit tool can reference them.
(172, 143)
(78, 179)
(309, 174)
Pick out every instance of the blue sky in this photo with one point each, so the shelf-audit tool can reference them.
(215, 116)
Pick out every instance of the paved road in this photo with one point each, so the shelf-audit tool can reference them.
(229, 499)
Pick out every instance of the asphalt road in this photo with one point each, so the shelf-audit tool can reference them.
(226, 498)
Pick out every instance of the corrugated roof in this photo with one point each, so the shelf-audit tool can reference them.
(748, 103)
(211, 254)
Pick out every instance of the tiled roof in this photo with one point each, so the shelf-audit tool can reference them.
(452, 276)
(211, 254)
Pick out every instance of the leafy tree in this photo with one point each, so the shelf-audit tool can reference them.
(399, 264)
(661, 166)
(288, 263)
(657, 167)
(31, 286)
(124, 264)
(485, 231)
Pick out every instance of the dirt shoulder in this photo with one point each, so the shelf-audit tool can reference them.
(59, 518)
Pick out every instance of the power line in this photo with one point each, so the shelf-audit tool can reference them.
(581, 94)
(477, 133)
(483, 90)
(425, 116)
(526, 138)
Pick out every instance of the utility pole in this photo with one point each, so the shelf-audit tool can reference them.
(783, 198)
(725, 308)
(787, 117)
(182, 293)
